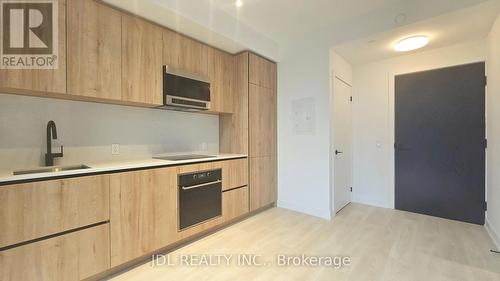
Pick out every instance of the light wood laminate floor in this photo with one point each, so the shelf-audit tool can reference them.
(383, 244)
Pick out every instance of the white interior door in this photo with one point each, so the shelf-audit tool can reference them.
(342, 147)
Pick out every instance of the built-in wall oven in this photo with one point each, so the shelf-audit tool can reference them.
(200, 197)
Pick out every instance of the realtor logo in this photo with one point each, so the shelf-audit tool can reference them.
(29, 34)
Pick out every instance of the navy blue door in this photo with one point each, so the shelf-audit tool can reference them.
(440, 142)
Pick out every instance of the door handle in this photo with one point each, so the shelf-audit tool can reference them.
(338, 152)
(200, 185)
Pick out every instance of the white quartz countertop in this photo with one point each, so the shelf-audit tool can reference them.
(98, 168)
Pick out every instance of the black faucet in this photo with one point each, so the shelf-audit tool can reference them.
(49, 157)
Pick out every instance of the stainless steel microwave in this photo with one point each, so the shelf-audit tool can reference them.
(184, 91)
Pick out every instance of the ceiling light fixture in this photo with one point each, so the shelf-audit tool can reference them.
(411, 43)
(239, 3)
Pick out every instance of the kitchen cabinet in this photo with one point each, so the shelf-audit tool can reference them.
(234, 203)
(143, 212)
(75, 228)
(233, 128)
(184, 54)
(40, 81)
(95, 50)
(221, 73)
(74, 256)
(262, 116)
(262, 72)
(234, 173)
(262, 182)
(34, 210)
(142, 68)
(262, 121)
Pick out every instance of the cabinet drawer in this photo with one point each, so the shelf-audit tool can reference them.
(234, 174)
(74, 256)
(234, 203)
(33, 210)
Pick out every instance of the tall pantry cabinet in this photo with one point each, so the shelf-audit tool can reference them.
(262, 123)
(252, 129)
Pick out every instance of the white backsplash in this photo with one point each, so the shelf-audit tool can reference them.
(87, 131)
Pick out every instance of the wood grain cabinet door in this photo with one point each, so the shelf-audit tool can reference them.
(95, 50)
(262, 121)
(70, 257)
(234, 173)
(142, 70)
(34, 210)
(234, 203)
(40, 80)
(262, 72)
(262, 182)
(185, 54)
(221, 73)
(143, 213)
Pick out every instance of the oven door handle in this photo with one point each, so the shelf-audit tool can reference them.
(200, 185)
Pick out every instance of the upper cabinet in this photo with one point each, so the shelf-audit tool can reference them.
(221, 68)
(142, 78)
(262, 72)
(185, 54)
(40, 81)
(105, 55)
(95, 48)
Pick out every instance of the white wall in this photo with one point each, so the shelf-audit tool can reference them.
(373, 116)
(493, 124)
(303, 160)
(303, 72)
(87, 131)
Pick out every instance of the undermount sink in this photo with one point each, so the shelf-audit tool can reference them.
(185, 157)
(52, 169)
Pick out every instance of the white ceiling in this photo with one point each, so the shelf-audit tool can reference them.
(287, 20)
(274, 28)
(468, 24)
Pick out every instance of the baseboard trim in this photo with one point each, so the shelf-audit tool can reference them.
(494, 236)
(373, 204)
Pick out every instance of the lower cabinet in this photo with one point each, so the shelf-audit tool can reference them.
(262, 182)
(34, 210)
(132, 214)
(143, 213)
(234, 203)
(74, 256)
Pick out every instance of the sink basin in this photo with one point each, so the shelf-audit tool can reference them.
(51, 169)
(185, 157)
